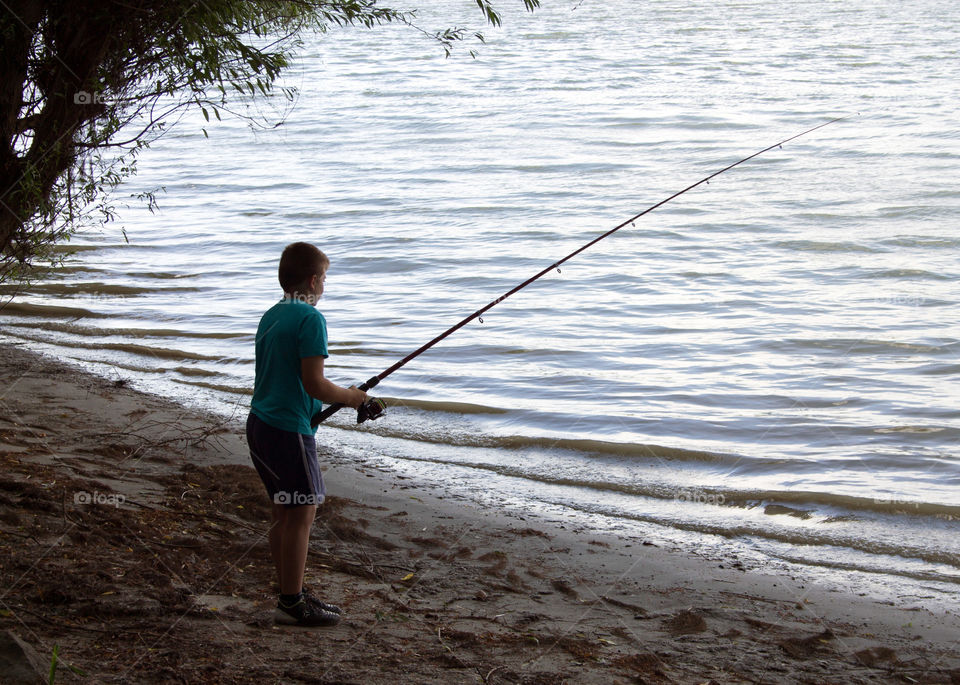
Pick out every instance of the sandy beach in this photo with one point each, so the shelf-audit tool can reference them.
(134, 544)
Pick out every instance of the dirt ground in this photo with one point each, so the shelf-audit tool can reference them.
(133, 538)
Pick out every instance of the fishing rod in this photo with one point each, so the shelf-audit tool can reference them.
(373, 407)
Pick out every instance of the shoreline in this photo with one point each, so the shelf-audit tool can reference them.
(135, 532)
(877, 538)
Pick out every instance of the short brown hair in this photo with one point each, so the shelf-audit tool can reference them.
(298, 263)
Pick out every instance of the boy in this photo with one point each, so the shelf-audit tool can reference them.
(289, 389)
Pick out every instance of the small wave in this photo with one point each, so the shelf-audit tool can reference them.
(566, 168)
(695, 122)
(552, 35)
(349, 349)
(910, 429)
(449, 407)
(194, 371)
(704, 274)
(939, 370)
(921, 241)
(142, 350)
(159, 352)
(157, 370)
(60, 289)
(799, 500)
(880, 566)
(132, 367)
(71, 268)
(374, 210)
(856, 345)
(161, 274)
(90, 331)
(805, 536)
(820, 246)
(71, 249)
(921, 274)
(921, 211)
(584, 446)
(233, 390)
(49, 310)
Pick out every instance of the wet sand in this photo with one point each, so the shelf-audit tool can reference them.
(133, 535)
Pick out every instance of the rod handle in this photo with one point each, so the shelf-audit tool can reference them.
(322, 416)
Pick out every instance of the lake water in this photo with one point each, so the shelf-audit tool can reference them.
(767, 364)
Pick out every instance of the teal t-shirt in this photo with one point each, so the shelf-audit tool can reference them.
(289, 331)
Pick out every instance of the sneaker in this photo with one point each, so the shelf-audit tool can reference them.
(323, 606)
(304, 613)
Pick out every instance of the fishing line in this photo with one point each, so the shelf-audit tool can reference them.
(374, 407)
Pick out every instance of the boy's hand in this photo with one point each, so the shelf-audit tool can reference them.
(357, 397)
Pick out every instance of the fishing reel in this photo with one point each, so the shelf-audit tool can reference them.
(372, 409)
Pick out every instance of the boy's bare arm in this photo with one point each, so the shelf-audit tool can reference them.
(317, 385)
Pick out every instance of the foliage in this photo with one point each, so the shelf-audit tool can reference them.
(85, 85)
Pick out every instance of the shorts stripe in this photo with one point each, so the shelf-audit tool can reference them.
(304, 461)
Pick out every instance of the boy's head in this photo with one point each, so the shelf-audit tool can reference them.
(302, 270)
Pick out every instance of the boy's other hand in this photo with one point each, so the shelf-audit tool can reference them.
(357, 397)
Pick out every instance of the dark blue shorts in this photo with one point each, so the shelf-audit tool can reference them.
(286, 462)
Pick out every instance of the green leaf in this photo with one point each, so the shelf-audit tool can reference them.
(53, 664)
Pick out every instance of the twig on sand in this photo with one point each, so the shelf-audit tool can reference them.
(145, 431)
(486, 678)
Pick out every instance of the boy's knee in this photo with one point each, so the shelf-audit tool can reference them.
(295, 517)
(306, 512)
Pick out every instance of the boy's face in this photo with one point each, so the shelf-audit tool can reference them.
(316, 286)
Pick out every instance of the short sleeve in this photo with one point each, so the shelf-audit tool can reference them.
(312, 338)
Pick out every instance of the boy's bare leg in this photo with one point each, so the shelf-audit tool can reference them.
(292, 535)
